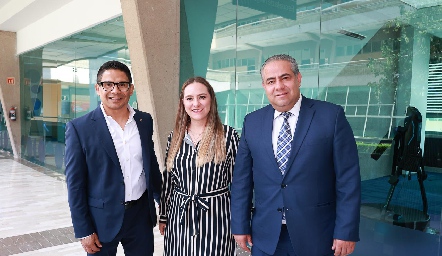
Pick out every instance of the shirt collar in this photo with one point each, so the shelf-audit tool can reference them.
(294, 110)
(188, 139)
(131, 111)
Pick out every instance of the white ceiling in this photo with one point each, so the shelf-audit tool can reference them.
(23, 15)
(17, 14)
(98, 41)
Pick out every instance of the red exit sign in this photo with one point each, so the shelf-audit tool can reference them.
(10, 80)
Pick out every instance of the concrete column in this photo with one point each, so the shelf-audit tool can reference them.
(152, 33)
(10, 93)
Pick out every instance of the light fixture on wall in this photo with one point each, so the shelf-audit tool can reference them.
(351, 34)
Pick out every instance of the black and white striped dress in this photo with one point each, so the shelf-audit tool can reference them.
(195, 202)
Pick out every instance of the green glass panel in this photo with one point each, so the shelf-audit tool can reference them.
(58, 84)
(374, 58)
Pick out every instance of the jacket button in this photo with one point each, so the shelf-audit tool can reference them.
(279, 209)
(122, 202)
(283, 185)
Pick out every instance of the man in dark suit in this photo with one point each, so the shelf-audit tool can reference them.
(112, 173)
(307, 189)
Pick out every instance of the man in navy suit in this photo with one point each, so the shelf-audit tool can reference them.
(112, 173)
(307, 189)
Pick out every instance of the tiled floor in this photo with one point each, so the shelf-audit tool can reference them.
(34, 214)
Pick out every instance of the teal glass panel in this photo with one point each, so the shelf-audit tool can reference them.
(377, 58)
(208, 49)
(265, 29)
(5, 142)
(58, 85)
(227, 42)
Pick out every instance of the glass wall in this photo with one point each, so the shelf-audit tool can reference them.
(376, 58)
(5, 142)
(58, 84)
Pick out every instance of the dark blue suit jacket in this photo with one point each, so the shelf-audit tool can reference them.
(94, 177)
(320, 189)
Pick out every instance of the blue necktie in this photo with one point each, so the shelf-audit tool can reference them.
(284, 143)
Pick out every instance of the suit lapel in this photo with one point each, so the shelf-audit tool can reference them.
(306, 114)
(141, 125)
(267, 129)
(100, 126)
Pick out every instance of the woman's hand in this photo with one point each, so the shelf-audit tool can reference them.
(162, 227)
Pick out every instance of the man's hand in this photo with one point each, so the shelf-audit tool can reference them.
(162, 227)
(243, 240)
(343, 248)
(91, 244)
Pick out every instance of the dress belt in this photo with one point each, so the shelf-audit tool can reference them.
(129, 204)
(199, 203)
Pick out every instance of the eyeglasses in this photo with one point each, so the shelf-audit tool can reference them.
(109, 86)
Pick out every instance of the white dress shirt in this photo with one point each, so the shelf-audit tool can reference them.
(127, 143)
(278, 120)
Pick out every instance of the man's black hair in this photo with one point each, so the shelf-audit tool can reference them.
(113, 64)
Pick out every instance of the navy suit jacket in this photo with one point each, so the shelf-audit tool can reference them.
(94, 178)
(320, 190)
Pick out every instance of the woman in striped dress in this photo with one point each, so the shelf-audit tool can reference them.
(195, 199)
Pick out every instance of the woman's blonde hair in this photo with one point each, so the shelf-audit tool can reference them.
(213, 144)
